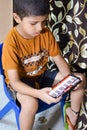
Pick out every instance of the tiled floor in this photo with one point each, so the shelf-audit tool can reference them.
(50, 118)
(8, 122)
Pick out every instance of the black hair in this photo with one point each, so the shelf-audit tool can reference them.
(30, 7)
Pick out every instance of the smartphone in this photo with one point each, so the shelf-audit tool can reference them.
(64, 86)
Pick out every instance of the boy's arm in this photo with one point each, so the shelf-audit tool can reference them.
(18, 85)
(62, 65)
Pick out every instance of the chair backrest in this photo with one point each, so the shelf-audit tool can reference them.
(8, 94)
(1, 70)
(11, 104)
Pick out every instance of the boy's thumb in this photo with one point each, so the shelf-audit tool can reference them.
(49, 89)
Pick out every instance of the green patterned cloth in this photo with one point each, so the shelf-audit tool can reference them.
(82, 120)
(68, 22)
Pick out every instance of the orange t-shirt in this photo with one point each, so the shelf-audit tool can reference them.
(28, 56)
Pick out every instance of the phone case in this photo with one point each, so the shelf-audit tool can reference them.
(64, 86)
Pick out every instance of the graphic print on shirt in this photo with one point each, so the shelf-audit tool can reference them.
(35, 63)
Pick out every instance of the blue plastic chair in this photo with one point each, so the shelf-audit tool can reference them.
(12, 104)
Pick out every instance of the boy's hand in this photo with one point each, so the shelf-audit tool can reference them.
(45, 97)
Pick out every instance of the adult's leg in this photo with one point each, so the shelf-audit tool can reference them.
(29, 107)
(76, 97)
(76, 100)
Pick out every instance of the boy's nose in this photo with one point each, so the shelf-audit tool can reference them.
(39, 27)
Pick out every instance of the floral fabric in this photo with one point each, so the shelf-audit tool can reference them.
(68, 22)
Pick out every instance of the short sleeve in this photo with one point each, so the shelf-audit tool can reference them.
(9, 56)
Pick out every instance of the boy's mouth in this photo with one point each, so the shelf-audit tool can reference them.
(37, 33)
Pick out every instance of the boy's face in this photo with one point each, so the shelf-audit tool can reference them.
(31, 26)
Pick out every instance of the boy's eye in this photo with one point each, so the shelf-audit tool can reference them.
(43, 23)
(33, 23)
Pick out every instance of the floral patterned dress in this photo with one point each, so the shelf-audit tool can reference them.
(68, 22)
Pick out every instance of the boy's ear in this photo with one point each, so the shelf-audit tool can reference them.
(16, 18)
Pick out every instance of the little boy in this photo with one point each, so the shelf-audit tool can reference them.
(25, 55)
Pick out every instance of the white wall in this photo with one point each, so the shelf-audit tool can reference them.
(6, 20)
